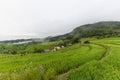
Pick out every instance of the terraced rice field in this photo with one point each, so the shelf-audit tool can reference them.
(108, 68)
(99, 60)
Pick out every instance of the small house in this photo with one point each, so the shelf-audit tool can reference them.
(86, 42)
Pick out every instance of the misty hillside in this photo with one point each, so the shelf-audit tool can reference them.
(98, 30)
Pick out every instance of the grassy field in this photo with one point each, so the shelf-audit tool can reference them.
(99, 60)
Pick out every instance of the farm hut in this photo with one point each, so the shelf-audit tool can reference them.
(56, 48)
(86, 42)
(62, 46)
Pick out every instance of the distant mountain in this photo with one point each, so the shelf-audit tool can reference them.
(98, 30)
(21, 41)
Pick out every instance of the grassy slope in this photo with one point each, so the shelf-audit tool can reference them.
(79, 62)
(105, 69)
(53, 63)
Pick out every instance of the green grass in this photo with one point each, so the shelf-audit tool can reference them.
(99, 60)
(105, 69)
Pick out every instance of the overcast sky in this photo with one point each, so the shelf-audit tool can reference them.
(42, 18)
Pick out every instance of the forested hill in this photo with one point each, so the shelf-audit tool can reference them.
(98, 30)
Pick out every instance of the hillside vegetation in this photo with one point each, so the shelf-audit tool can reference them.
(89, 52)
(26, 48)
(96, 61)
(97, 30)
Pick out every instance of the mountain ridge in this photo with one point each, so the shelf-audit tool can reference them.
(98, 29)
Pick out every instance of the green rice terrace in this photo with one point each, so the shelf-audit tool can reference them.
(97, 60)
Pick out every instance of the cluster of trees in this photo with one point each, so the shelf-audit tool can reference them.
(26, 48)
(12, 49)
